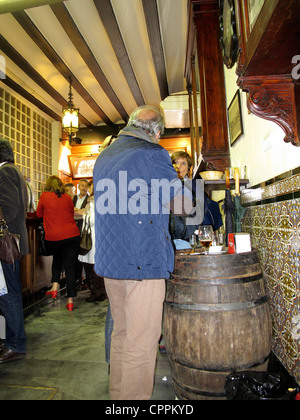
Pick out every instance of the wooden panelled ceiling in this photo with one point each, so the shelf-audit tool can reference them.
(120, 54)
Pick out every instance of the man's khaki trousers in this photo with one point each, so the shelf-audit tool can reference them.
(136, 308)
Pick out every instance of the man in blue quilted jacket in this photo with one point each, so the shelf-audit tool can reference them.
(135, 186)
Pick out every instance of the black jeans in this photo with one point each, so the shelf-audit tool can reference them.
(11, 306)
(65, 254)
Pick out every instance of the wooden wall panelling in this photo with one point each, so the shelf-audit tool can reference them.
(173, 144)
(35, 268)
(195, 108)
(189, 88)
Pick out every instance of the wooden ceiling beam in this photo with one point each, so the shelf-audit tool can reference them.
(9, 6)
(7, 49)
(110, 23)
(66, 21)
(34, 33)
(154, 33)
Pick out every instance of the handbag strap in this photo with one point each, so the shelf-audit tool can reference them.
(83, 223)
(86, 225)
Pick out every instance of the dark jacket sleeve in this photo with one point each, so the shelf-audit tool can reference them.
(9, 194)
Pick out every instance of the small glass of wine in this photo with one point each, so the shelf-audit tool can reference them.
(193, 242)
(206, 236)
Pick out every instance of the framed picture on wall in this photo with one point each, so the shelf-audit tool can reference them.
(235, 118)
(82, 166)
(254, 9)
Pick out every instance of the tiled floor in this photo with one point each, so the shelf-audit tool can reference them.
(66, 357)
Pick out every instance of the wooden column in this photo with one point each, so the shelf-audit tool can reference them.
(196, 122)
(212, 86)
(189, 89)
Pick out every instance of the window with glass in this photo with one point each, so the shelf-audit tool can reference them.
(30, 134)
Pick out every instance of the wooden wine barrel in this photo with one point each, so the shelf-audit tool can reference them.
(216, 321)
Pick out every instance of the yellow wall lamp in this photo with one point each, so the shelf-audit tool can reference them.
(70, 119)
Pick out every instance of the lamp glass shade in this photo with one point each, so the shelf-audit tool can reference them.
(70, 121)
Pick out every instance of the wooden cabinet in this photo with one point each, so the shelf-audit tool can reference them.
(268, 66)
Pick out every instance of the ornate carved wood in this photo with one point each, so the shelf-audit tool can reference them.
(266, 65)
(273, 98)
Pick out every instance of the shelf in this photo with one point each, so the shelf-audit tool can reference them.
(220, 185)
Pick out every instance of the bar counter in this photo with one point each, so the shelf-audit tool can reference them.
(35, 268)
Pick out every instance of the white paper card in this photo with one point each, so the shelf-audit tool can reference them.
(242, 242)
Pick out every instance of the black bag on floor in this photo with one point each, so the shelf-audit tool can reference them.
(252, 385)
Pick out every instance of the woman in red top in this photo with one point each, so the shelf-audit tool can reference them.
(62, 235)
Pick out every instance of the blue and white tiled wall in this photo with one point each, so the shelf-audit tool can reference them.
(273, 220)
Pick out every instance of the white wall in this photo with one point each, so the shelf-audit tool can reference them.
(60, 153)
(56, 145)
(261, 148)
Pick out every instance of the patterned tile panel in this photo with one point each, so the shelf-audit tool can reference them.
(280, 188)
(275, 233)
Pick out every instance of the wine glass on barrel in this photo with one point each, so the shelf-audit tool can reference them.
(193, 242)
(206, 236)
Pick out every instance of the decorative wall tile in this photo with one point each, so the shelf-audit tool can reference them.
(275, 233)
(280, 188)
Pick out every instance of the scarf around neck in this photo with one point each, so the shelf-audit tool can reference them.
(138, 133)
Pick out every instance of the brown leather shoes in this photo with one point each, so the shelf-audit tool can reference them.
(7, 355)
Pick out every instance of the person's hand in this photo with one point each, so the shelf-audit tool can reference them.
(79, 213)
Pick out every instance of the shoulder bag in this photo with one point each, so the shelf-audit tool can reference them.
(9, 243)
(43, 249)
(86, 236)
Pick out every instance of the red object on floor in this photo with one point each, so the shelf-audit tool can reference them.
(298, 397)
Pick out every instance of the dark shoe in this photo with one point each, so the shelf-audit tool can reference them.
(91, 299)
(162, 349)
(162, 345)
(94, 298)
(7, 355)
(2, 345)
